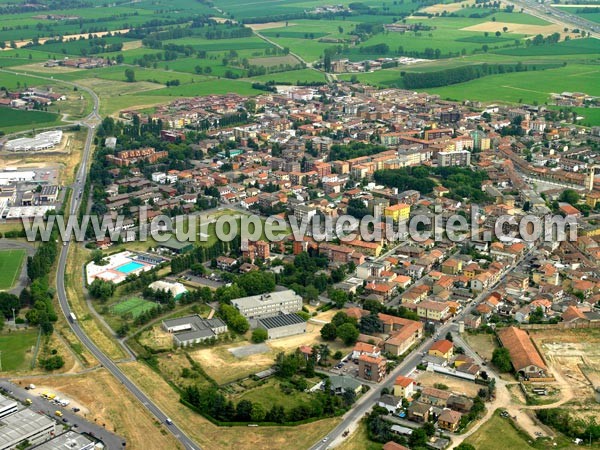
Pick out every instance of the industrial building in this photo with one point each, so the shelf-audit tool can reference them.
(283, 325)
(41, 141)
(25, 425)
(266, 305)
(7, 406)
(193, 329)
(68, 441)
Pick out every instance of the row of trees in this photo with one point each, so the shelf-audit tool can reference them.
(423, 80)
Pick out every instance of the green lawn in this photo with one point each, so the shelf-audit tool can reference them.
(270, 395)
(11, 262)
(571, 47)
(17, 349)
(212, 86)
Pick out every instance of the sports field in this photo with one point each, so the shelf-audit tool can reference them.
(11, 262)
(134, 306)
(17, 349)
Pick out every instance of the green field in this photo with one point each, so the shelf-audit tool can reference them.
(134, 306)
(11, 262)
(292, 76)
(16, 349)
(526, 87)
(572, 47)
(584, 13)
(12, 120)
(486, 438)
(270, 394)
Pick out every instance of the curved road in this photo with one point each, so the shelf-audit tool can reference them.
(90, 122)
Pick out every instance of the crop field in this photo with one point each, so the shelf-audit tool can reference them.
(12, 120)
(212, 86)
(591, 14)
(526, 87)
(11, 262)
(571, 47)
(17, 349)
(134, 306)
(292, 76)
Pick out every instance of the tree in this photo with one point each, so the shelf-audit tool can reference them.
(243, 411)
(465, 446)
(101, 290)
(501, 359)
(259, 335)
(348, 333)
(569, 196)
(329, 332)
(370, 324)
(258, 413)
(129, 75)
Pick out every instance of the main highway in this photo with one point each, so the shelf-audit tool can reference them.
(91, 122)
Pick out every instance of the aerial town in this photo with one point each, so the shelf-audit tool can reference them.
(318, 265)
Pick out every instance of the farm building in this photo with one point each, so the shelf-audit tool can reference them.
(283, 325)
(267, 305)
(176, 289)
(193, 329)
(525, 358)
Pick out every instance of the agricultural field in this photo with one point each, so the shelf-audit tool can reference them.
(592, 13)
(12, 120)
(292, 76)
(11, 262)
(526, 87)
(571, 47)
(17, 349)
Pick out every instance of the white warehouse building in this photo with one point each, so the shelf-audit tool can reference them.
(41, 141)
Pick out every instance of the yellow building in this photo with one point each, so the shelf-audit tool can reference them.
(399, 212)
(442, 349)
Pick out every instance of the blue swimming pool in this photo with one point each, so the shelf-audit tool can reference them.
(129, 267)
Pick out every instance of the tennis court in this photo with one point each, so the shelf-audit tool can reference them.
(134, 305)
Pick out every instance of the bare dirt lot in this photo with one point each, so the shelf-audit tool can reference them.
(221, 365)
(483, 344)
(518, 28)
(454, 384)
(108, 402)
(274, 61)
(212, 437)
(448, 7)
(574, 356)
(268, 25)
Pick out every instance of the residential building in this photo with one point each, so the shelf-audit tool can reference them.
(398, 213)
(442, 349)
(430, 310)
(372, 369)
(449, 420)
(404, 387)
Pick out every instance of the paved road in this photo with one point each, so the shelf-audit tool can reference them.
(363, 406)
(79, 423)
(90, 122)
